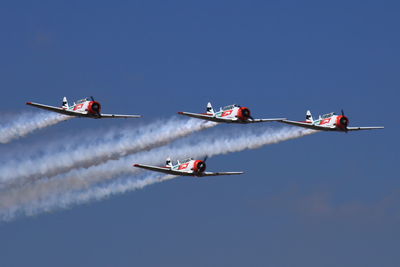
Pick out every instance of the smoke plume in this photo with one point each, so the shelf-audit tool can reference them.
(26, 123)
(118, 143)
(93, 183)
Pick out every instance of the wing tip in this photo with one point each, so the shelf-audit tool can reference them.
(180, 112)
(136, 165)
(29, 103)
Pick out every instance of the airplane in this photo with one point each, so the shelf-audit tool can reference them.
(187, 167)
(86, 107)
(328, 122)
(228, 114)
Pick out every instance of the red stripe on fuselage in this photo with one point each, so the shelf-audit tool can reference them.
(227, 113)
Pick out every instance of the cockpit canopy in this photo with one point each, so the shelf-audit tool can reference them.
(230, 107)
(82, 100)
(325, 116)
(186, 160)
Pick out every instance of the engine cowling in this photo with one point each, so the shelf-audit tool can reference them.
(94, 107)
(199, 166)
(342, 122)
(244, 113)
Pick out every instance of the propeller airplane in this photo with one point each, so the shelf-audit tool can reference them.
(328, 122)
(86, 107)
(188, 167)
(228, 114)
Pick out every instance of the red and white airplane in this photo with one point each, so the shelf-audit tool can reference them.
(86, 107)
(228, 114)
(328, 122)
(188, 167)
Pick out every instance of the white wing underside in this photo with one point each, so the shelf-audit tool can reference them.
(364, 128)
(324, 128)
(80, 114)
(118, 116)
(229, 120)
(183, 173)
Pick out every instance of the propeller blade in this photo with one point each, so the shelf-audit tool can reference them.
(92, 98)
(342, 112)
(205, 158)
(251, 118)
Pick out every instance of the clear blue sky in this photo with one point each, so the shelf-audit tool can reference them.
(324, 200)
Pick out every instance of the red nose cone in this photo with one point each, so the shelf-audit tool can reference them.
(342, 122)
(94, 107)
(199, 166)
(244, 113)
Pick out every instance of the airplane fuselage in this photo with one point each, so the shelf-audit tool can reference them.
(189, 166)
(86, 107)
(332, 122)
(233, 112)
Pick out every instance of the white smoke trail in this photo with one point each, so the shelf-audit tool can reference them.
(119, 186)
(61, 191)
(99, 150)
(26, 123)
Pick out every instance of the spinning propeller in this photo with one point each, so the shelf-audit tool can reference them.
(95, 106)
(344, 121)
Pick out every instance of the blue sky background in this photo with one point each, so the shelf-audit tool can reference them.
(328, 199)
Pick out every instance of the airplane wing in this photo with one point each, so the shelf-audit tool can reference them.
(265, 120)
(118, 116)
(315, 127)
(183, 173)
(220, 173)
(363, 128)
(214, 119)
(306, 125)
(202, 116)
(161, 169)
(79, 114)
(56, 109)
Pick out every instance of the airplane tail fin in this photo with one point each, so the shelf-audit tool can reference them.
(65, 103)
(309, 117)
(168, 163)
(210, 109)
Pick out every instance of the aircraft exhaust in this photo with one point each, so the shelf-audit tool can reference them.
(118, 176)
(97, 150)
(26, 123)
